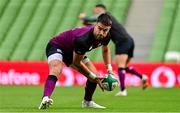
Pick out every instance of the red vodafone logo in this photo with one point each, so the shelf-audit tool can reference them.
(163, 77)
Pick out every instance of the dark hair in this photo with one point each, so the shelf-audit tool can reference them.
(101, 6)
(105, 19)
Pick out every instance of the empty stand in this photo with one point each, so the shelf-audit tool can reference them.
(8, 18)
(27, 25)
(173, 47)
(30, 34)
(53, 22)
(164, 32)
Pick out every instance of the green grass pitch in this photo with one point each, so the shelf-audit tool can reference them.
(68, 99)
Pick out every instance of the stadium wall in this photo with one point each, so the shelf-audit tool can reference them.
(34, 73)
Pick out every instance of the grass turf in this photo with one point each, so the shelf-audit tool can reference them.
(68, 99)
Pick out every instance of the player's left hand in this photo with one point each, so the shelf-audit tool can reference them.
(99, 80)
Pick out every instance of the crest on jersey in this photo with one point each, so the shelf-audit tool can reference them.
(58, 50)
(90, 48)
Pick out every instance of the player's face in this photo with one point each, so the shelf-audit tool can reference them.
(101, 31)
(98, 10)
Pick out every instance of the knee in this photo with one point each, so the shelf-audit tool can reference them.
(55, 68)
(121, 64)
(121, 60)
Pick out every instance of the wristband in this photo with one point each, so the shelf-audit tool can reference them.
(109, 67)
(92, 75)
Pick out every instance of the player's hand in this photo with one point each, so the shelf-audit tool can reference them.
(82, 15)
(99, 80)
(111, 72)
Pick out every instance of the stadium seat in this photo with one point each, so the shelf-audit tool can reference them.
(27, 25)
(71, 15)
(173, 49)
(8, 17)
(3, 6)
(164, 31)
(34, 27)
(49, 29)
(21, 22)
(120, 9)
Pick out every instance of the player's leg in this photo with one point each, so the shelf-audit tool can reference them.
(55, 67)
(130, 55)
(122, 50)
(90, 87)
(89, 91)
(143, 77)
(121, 60)
(132, 70)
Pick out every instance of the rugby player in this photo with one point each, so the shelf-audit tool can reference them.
(70, 48)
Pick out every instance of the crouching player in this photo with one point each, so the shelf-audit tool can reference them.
(69, 48)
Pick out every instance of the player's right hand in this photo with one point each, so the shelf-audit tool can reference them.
(82, 15)
(99, 80)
